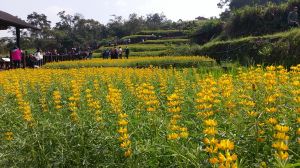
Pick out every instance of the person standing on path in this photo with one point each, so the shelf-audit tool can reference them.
(38, 57)
(127, 52)
(16, 57)
(120, 52)
(293, 19)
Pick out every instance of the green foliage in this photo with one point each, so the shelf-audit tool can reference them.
(139, 38)
(164, 33)
(167, 41)
(280, 48)
(207, 31)
(149, 53)
(236, 4)
(259, 20)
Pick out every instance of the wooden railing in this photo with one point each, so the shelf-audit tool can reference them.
(26, 62)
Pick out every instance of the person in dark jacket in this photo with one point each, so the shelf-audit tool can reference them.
(293, 19)
(127, 52)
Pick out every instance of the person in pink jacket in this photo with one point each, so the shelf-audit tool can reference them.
(16, 57)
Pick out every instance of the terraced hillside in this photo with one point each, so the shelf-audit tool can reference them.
(151, 43)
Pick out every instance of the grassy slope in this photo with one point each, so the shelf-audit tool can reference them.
(278, 48)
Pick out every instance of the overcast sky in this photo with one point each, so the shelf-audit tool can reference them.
(101, 10)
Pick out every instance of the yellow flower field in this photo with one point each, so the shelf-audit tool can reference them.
(180, 61)
(151, 117)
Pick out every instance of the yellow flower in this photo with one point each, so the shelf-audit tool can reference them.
(173, 136)
(280, 146)
(263, 165)
(252, 113)
(214, 160)
(123, 115)
(184, 134)
(8, 136)
(230, 158)
(282, 155)
(272, 121)
(210, 123)
(128, 153)
(174, 110)
(211, 149)
(280, 135)
(176, 117)
(74, 116)
(122, 122)
(212, 141)
(151, 109)
(173, 97)
(221, 157)
(125, 144)
(58, 106)
(210, 131)
(271, 68)
(124, 137)
(281, 128)
(226, 145)
(99, 119)
(271, 110)
(122, 130)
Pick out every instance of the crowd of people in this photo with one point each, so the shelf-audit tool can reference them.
(85, 53)
(115, 53)
(36, 59)
(32, 60)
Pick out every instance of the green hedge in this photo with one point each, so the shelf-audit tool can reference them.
(207, 31)
(152, 53)
(164, 33)
(166, 41)
(139, 38)
(280, 48)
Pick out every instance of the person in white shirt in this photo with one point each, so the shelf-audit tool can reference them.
(120, 51)
(38, 57)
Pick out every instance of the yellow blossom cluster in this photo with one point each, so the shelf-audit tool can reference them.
(74, 101)
(146, 93)
(57, 100)
(281, 142)
(174, 108)
(114, 97)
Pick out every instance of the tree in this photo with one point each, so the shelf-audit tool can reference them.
(40, 21)
(236, 4)
(116, 26)
(134, 24)
(155, 21)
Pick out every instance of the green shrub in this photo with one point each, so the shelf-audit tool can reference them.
(139, 38)
(164, 33)
(166, 41)
(150, 53)
(259, 20)
(207, 31)
(280, 48)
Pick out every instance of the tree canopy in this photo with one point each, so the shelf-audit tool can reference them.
(236, 4)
